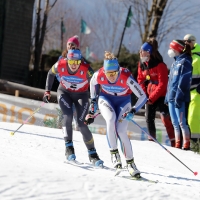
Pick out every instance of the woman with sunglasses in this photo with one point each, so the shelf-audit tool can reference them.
(72, 43)
(114, 103)
(153, 78)
(73, 89)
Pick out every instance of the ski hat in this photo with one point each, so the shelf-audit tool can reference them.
(74, 54)
(74, 40)
(111, 65)
(147, 47)
(190, 37)
(177, 45)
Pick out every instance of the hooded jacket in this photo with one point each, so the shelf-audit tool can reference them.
(196, 68)
(178, 89)
(153, 78)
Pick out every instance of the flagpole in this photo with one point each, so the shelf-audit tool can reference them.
(61, 44)
(80, 34)
(123, 32)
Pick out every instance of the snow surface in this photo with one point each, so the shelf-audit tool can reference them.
(32, 167)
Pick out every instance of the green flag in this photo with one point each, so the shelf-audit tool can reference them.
(128, 21)
(62, 27)
(84, 28)
(87, 53)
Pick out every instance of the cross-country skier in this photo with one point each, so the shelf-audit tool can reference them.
(72, 43)
(114, 103)
(73, 89)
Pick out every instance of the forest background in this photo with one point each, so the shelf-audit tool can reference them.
(119, 26)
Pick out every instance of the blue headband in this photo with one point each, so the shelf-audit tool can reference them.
(74, 54)
(147, 47)
(111, 65)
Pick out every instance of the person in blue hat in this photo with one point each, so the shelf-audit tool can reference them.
(114, 103)
(74, 76)
(153, 78)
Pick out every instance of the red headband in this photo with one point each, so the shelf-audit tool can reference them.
(177, 46)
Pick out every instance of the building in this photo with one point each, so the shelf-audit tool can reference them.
(15, 39)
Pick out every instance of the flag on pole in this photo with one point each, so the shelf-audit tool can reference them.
(87, 53)
(62, 27)
(130, 15)
(84, 28)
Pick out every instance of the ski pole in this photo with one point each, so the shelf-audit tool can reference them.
(97, 115)
(87, 116)
(195, 173)
(24, 122)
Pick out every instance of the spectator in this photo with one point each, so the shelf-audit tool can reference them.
(153, 78)
(194, 106)
(178, 90)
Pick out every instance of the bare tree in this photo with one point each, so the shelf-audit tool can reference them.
(39, 32)
(160, 17)
(106, 26)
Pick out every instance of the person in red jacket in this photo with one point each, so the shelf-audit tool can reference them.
(153, 78)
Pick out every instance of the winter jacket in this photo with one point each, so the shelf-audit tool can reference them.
(178, 89)
(157, 73)
(196, 68)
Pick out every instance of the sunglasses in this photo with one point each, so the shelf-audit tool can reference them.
(111, 73)
(74, 62)
(189, 41)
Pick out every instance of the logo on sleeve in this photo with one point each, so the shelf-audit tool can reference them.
(102, 78)
(131, 82)
(139, 91)
(90, 73)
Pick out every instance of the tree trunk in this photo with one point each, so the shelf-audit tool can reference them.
(37, 43)
(159, 9)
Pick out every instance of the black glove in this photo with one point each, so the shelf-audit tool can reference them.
(89, 119)
(198, 88)
(47, 96)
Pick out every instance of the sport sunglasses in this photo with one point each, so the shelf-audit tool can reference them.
(111, 73)
(74, 62)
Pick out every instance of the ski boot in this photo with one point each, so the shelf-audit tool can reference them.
(186, 145)
(178, 144)
(69, 151)
(115, 158)
(94, 158)
(132, 169)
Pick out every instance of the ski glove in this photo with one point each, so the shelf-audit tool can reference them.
(129, 114)
(198, 88)
(89, 119)
(47, 96)
(93, 107)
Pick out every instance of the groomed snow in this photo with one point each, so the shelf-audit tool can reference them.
(32, 167)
